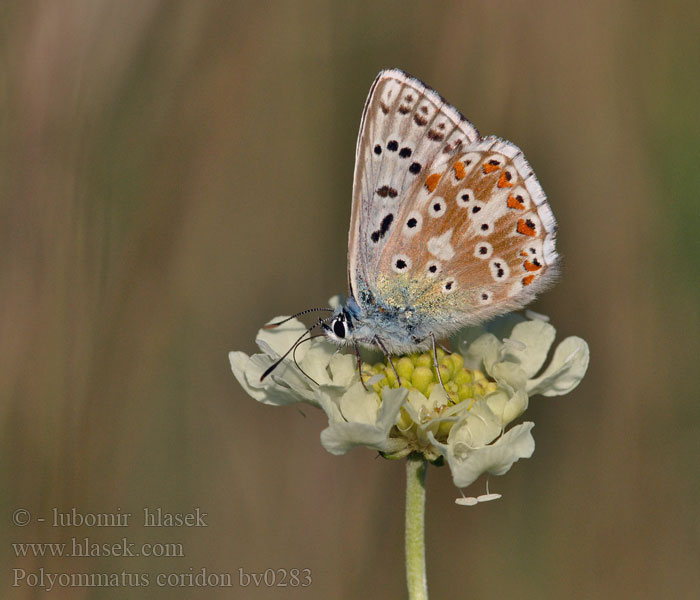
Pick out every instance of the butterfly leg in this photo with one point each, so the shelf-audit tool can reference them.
(437, 367)
(359, 366)
(388, 357)
(442, 347)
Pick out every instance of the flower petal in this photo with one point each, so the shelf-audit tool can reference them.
(343, 369)
(507, 408)
(277, 341)
(247, 371)
(478, 427)
(564, 373)
(508, 374)
(341, 435)
(359, 405)
(536, 337)
(483, 352)
(497, 458)
(315, 363)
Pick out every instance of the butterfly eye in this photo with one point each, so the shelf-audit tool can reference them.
(339, 328)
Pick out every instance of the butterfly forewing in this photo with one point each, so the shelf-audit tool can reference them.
(406, 128)
(447, 223)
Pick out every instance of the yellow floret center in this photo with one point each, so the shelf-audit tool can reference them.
(417, 371)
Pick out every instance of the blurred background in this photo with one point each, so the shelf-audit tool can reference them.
(173, 174)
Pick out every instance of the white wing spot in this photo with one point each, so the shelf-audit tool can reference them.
(400, 263)
(449, 286)
(483, 250)
(465, 197)
(413, 224)
(485, 297)
(437, 208)
(434, 268)
(441, 247)
(499, 269)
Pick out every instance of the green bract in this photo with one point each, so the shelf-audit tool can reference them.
(488, 381)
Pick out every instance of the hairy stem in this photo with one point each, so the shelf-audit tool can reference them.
(415, 528)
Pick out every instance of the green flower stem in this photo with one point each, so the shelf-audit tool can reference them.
(415, 528)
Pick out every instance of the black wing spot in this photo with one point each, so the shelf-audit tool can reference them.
(383, 228)
(405, 152)
(484, 227)
(412, 222)
(385, 224)
(415, 168)
(385, 191)
(432, 268)
(476, 209)
(420, 121)
(401, 264)
(392, 146)
(377, 149)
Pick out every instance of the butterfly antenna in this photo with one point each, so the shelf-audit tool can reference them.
(276, 364)
(294, 355)
(303, 312)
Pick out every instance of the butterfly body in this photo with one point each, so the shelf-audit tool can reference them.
(448, 228)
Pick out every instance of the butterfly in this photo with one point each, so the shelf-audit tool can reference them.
(448, 228)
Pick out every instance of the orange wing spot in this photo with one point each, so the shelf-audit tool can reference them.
(526, 228)
(432, 181)
(460, 173)
(523, 253)
(513, 202)
(504, 180)
(531, 266)
(489, 168)
(528, 279)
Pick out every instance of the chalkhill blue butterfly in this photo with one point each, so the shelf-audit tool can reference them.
(448, 228)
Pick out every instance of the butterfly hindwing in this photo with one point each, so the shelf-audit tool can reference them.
(472, 242)
(453, 225)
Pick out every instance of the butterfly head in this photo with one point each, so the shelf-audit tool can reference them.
(342, 326)
(339, 328)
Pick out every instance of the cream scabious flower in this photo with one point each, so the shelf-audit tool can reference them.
(488, 381)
